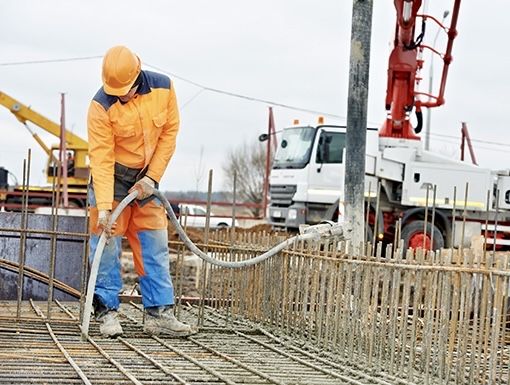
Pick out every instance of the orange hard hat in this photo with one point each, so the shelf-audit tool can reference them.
(121, 67)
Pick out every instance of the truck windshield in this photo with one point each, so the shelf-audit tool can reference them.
(295, 147)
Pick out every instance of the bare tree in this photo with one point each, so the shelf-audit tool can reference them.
(248, 163)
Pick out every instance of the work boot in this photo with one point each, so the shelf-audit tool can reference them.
(110, 326)
(161, 320)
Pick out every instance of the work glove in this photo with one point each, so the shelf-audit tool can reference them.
(145, 188)
(103, 219)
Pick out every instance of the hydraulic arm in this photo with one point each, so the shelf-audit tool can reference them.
(404, 65)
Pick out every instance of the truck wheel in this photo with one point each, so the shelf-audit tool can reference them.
(414, 236)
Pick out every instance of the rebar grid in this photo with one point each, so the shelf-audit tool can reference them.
(32, 354)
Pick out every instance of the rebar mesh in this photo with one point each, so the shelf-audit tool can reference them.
(419, 316)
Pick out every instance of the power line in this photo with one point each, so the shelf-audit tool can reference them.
(224, 92)
(447, 141)
(186, 80)
(237, 95)
(62, 60)
(473, 140)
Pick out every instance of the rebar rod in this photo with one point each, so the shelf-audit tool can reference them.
(43, 232)
(53, 249)
(85, 259)
(237, 362)
(119, 367)
(22, 243)
(204, 265)
(157, 364)
(188, 357)
(68, 357)
(425, 232)
(39, 276)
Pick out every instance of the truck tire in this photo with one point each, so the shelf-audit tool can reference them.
(413, 236)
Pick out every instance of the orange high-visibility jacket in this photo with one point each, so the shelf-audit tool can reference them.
(136, 134)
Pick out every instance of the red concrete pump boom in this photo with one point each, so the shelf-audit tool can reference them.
(404, 65)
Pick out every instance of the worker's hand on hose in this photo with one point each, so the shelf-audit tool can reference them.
(145, 188)
(103, 220)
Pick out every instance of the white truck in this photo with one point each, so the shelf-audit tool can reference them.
(306, 186)
(409, 175)
(306, 179)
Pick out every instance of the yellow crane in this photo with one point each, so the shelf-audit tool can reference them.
(76, 147)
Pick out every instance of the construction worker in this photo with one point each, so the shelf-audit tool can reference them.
(132, 127)
(70, 164)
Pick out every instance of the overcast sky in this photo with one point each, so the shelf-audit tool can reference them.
(294, 52)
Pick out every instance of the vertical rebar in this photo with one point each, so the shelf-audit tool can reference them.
(85, 260)
(376, 221)
(464, 217)
(367, 216)
(486, 231)
(232, 245)
(206, 249)
(180, 265)
(433, 218)
(454, 214)
(53, 250)
(22, 243)
(496, 217)
(425, 232)
(396, 236)
(496, 317)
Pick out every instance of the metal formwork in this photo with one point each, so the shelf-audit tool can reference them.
(38, 243)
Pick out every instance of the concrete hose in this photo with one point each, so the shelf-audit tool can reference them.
(313, 234)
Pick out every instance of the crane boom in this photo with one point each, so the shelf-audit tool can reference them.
(24, 113)
(76, 146)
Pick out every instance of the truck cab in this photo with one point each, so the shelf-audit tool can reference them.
(306, 179)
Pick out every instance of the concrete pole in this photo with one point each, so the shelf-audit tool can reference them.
(357, 118)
